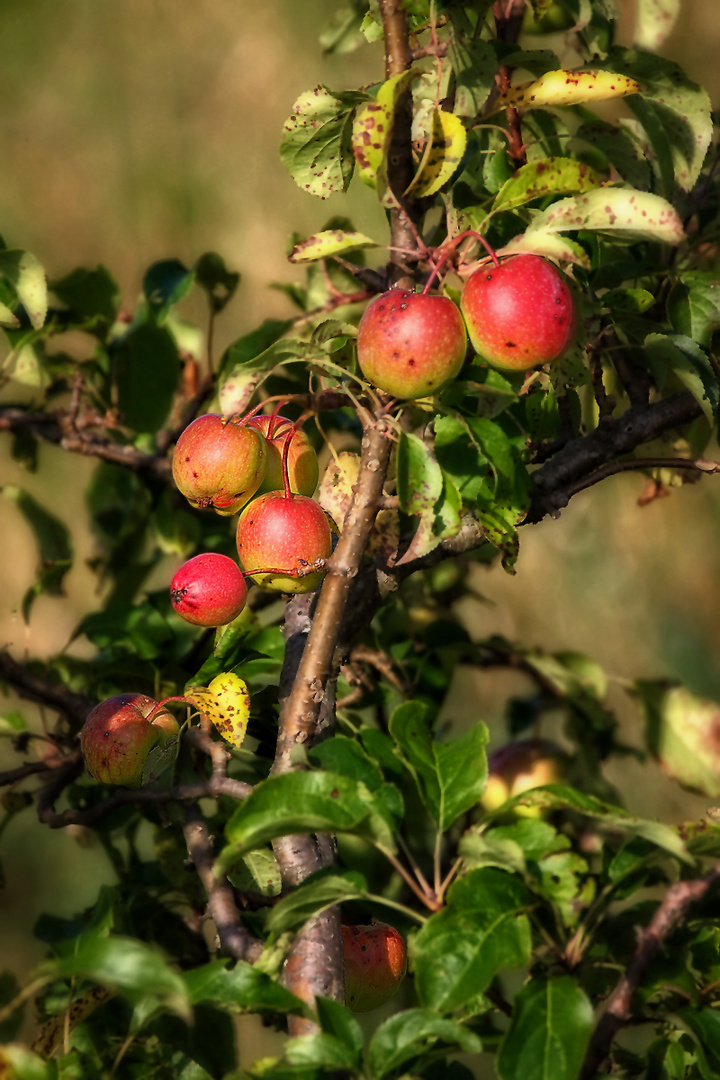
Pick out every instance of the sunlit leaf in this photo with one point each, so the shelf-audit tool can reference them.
(444, 151)
(554, 176)
(331, 242)
(654, 21)
(27, 276)
(372, 129)
(566, 87)
(227, 703)
(316, 144)
(619, 213)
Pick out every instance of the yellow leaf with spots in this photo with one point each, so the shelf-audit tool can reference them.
(330, 242)
(227, 704)
(568, 88)
(443, 153)
(372, 128)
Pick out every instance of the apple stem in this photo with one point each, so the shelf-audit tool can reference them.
(161, 704)
(450, 246)
(287, 571)
(273, 418)
(285, 453)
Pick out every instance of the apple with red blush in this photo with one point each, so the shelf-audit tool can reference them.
(519, 312)
(209, 590)
(280, 537)
(375, 964)
(219, 464)
(302, 461)
(118, 735)
(411, 344)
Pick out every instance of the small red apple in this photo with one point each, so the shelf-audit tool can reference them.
(520, 766)
(282, 534)
(117, 738)
(519, 313)
(375, 965)
(411, 344)
(209, 590)
(303, 471)
(219, 464)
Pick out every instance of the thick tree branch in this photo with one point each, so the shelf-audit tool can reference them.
(672, 911)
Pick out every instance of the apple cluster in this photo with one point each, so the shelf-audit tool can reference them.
(519, 314)
(266, 469)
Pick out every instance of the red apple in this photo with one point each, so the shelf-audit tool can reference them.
(209, 590)
(375, 964)
(520, 313)
(520, 766)
(410, 344)
(303, 468)
(219, 464)
(283, 534)
(117, 738)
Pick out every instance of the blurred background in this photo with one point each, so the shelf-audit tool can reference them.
(148, 129)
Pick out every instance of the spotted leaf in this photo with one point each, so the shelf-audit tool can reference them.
(566, 87)
(443, 153)
(227, 703)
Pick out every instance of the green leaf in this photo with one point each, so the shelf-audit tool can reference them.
(343, 755)
(553, 176)
(554, 797)
(451, 776)
(330, 242)
(91, 296)
(258, 872)
(680, 356)
(474, 64)
(7, 317)
(705, 1026)
(337, 1020)
(303, 802)
(19, 1063)
(241, 988)
(693, 305)
(147, 372)
(321, 1051)
(484, 928)
(680, 731)
(54, 545)
(420, 487)
(123, 964)
(213, 276)
(622, 151)
(319, 892)
(621, 214)
(628, 301)
(675, 112)
(12, 723)
(25, 273)
(165, 284)
(316, 144)
(413, 1034)
(549, 1031)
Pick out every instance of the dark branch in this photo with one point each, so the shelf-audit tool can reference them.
(672, 911)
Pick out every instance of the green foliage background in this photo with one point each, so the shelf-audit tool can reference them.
(135, 131)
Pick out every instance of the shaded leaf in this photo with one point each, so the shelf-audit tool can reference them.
(411, 1034)
(165, 284)
(147, 372)
(483, 928)
(678, 355)
(242, 988)
(549, 1031)
(213, 276)
(27, 276)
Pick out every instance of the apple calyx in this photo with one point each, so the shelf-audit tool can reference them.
(208, 590)
(519, 313)
(375, 964)
(411, 344)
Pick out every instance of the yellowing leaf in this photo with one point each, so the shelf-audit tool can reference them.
(329, 242)
(227, 703)
(622, 213)
(568, 88)
(443, 153)
(372, 128)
